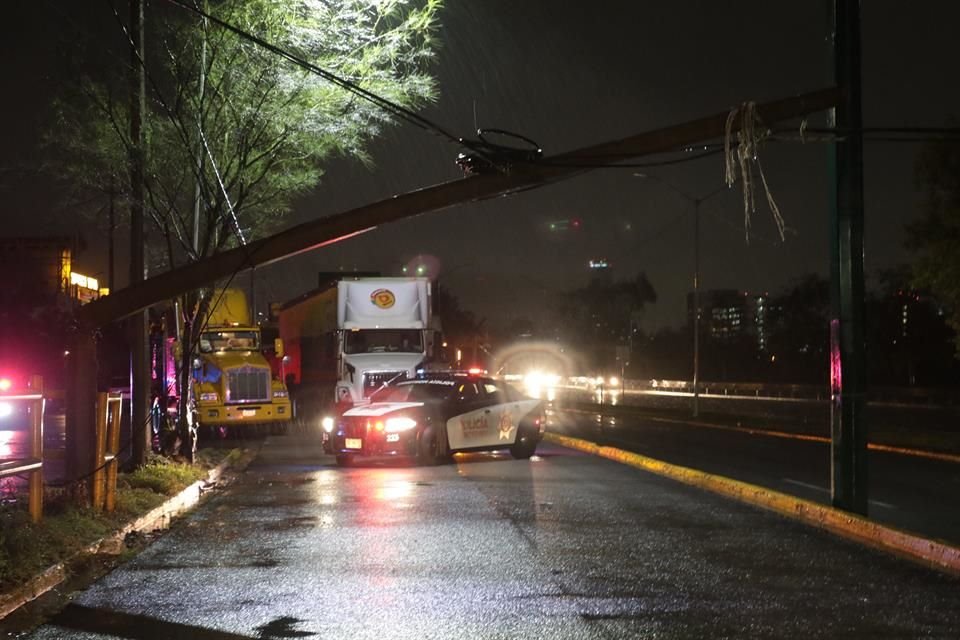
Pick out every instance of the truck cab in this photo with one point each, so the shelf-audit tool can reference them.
(233, 385)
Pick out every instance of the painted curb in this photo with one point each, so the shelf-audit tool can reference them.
(157, 519)
(929, 552)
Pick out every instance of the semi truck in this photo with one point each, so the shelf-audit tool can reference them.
(234, 390)
(351, 337)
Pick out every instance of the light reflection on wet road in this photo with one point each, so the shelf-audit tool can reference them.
(562, 546)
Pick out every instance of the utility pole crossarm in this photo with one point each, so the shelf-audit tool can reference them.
(331, 229)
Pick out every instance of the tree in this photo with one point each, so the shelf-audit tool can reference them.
(247, 127)
(908, 340)
(235, 132)
(603, 313)
(935, 237)
(800, 335)
(460, 327)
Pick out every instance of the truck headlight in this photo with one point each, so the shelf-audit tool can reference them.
(395, 425)
(280, 393)
(209, 397)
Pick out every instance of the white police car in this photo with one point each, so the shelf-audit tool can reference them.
(437, 414)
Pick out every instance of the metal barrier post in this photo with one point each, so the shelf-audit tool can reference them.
(99, 476)
(115, 403)
(35, 482)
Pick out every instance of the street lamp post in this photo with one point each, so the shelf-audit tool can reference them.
(696, 307)
(696, 276)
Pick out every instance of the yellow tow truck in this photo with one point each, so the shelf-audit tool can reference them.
(234, 391)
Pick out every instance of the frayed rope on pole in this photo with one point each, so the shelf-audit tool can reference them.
(745, 155)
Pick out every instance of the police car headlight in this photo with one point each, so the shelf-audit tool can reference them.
(395, 425)
(327, 424)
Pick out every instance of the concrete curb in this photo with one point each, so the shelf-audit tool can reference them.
(938, 555)
(158, 519)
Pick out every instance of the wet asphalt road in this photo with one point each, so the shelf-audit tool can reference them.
(908, 492)
(561, 546)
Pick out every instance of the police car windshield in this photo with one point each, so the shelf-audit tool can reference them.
(416, 391)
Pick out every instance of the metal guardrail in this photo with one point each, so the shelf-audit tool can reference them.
(103, 489)
(32, 466)
(878, 396)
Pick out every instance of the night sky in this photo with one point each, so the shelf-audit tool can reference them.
(570, 74)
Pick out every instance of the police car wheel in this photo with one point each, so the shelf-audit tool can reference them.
(427, 447)
(523, 448)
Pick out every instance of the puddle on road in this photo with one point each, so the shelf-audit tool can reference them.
(292, 523)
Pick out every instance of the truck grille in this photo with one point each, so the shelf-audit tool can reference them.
(375, 380)
(248, 384)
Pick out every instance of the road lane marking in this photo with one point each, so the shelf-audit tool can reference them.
(819, 489)
(917, 453)
(805, 485)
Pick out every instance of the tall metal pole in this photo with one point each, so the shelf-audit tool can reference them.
(202, 86)
(111, 283)
(696, 307)
(139, 359)
(848, 430)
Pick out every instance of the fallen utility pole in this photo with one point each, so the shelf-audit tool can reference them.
(339, 227)
(342, 226)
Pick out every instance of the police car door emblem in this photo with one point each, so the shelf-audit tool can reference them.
(505, 426)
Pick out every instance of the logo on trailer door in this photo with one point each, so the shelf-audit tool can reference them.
(383, 298)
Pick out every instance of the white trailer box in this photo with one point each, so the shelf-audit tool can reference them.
(384, 333)
(383, 303)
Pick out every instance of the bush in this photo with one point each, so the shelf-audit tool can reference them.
(163, 477)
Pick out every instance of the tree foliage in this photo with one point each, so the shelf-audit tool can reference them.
(245, 127)
(603, 314)
(935, 237)
(800, 328)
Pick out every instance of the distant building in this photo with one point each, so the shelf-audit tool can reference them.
(39, 272)
(727, 315)
(601, 272)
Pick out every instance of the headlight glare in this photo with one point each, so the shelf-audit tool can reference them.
(395, 425)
